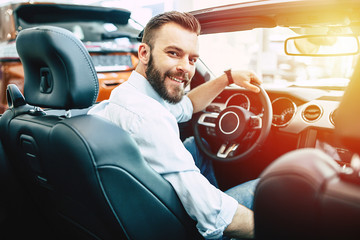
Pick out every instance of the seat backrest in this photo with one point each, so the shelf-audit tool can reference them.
(86, 173)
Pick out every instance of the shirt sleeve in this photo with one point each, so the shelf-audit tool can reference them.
(211, 208)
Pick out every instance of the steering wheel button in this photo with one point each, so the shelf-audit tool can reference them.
(210, 131)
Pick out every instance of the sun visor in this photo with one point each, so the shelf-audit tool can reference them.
(347, 116)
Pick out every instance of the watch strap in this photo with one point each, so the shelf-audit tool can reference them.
(229, 76)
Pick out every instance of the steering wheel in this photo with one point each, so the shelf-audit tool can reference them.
(233, 126)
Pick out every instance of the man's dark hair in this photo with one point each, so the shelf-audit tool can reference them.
(186, 20)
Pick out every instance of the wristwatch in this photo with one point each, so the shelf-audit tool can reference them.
(229, 77)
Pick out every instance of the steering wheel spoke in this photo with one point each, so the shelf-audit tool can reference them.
(256, 122)
(226, 149)
(208, 119)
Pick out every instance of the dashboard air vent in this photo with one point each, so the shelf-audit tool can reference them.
(332, 117)
(312, 113)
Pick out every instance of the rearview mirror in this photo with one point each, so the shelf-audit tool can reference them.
(322, 45)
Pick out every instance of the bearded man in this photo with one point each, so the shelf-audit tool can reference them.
(150, 105)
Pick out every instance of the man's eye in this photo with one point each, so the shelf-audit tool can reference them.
(175, 54)
(193, 60)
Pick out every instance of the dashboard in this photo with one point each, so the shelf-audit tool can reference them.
(302, 116)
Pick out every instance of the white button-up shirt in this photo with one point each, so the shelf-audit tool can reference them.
(137, 108)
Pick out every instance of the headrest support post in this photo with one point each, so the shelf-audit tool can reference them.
(68, 114)
(37, 111)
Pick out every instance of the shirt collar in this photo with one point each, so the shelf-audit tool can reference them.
(139, 82)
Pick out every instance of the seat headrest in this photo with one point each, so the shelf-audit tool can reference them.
(59, 72)
(347, 116)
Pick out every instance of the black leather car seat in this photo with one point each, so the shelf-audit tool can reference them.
(305, 194)
(84, 172)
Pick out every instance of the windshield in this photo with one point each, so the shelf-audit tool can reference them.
(262, 50)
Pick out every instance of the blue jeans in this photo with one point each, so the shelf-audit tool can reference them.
(243, 193)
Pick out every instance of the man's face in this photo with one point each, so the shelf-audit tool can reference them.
(172, 60)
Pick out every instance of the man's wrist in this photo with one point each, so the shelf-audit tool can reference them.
(229, 77)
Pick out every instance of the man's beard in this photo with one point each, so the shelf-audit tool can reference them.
(157, 81)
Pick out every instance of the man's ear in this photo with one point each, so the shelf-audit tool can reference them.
(144, 53)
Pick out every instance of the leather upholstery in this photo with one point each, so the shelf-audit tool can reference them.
(305, 195)
(347, 117)
(85, 173)
(58, 69)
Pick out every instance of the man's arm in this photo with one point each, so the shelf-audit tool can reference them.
(242, 224)
(204, 94)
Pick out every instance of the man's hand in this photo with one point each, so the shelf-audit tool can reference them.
(246, 79)
(204, 94)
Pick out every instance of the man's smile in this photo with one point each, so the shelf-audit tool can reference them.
(184, 79)
(176, 79)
